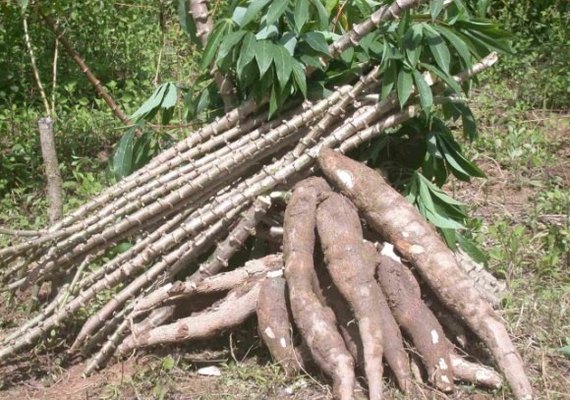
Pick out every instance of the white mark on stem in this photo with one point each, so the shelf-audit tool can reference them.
(434, 337)
(275, 274)
(442, 364)
(283, 342)
(388, 251)
(416, 249)
(346, 178)
(482, 375)
(269, 333)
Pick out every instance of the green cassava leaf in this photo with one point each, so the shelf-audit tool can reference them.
(228, 43)
(264, 53)
(425, 196)
(450, 237)
(435, 8)
(267, 32)
(299, 76)
(187, 22)
(142, 152)
(317, 42)
(289, 41)
(424, 90)
(439, 220)
(389, 79)
(438, 48)
(252, 10)
(347, 55)
(301, 15)
(151, 105)
(238, 14)
(456, 109)
(247, 52)
(322, 13)
(273, 102)
(489, 41)
(123, 157)
(444, 76)
(412, 44)
(454, 149)
(213, 44)
(283, 64)
(472, 250)
(405, 86)
(276, 9)
(204, 101)
(458, 44)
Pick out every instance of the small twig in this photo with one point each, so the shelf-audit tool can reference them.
(54, 73)
(33, 62)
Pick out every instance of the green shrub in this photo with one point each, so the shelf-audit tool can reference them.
(539, 64)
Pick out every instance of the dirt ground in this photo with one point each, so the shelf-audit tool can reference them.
(536, 313)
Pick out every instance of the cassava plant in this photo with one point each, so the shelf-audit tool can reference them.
(379, 80)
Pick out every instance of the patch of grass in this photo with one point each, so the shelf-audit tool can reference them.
(522, 219)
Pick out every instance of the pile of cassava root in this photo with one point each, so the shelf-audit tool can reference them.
(344, 302)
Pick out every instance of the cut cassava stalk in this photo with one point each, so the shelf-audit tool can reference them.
(178, 197)
(274, 326)
(474, 373)
(107, 281)
(235, 240)
(234, 309)
(404, 299)
(191, 248)
(335, 112)
(489, 287)
(401, 224)
(316, 325)
(216, 283)
(107, 349)
(355, 35)
(353, 274)
(162, 162)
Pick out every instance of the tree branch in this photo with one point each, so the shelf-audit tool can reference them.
(101, 91)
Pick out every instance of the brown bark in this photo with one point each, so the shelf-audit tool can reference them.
(315, 322)
(273, 324)
(393, 345)
(341, 239)
(231, 311)
(400, 223)
(404, 298)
